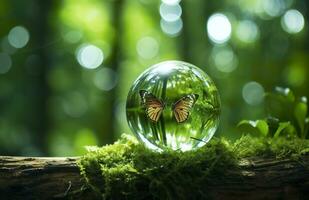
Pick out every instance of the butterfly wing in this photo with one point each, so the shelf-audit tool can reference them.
(182, 107)
(152, 104)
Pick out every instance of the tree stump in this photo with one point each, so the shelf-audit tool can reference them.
(59, 178)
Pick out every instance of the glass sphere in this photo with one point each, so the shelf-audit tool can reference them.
(173, 105)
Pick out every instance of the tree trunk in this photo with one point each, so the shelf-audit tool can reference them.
(113, 62)
(40, 90)
(59, 178)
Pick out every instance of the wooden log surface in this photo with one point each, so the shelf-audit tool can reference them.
(59, 178)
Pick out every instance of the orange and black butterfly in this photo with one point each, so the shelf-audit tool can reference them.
(182, 107)
(154, 106)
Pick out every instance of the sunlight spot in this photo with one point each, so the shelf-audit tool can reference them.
(292, 21)
(170, 13)
(185, 147)
(89, 56)
(253, 93)
(5, 63)
(105, 79)
(18, 36)
(247, 31)
(171, 28)
(219, 28)
(147, 47)
(164, 68)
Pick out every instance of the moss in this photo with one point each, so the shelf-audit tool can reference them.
(128, 170)
(281, 147)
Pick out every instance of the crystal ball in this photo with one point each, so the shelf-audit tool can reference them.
(173, 105)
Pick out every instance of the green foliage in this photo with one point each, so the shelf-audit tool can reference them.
(287, 115)
(258, 127)
(128, 170)
(49, 98)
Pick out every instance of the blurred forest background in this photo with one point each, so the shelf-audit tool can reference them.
(66, 66)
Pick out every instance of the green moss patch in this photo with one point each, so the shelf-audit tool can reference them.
(128, 170)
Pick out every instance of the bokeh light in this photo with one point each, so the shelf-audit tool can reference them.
(7, 47)
(147, 47)
(224, 58)
(5, 63)
(253, 93)
(73, 36)
(296, 75)
(247, 31)
(75, 104)
(219, 28)
(171, 2)
(292, 21)
(105, 79)
(170, 12)
(89, 56)
(274, 8)
(18, 37)
(90, 52)
(171, 28)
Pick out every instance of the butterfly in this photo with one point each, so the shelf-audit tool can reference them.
(154, 106)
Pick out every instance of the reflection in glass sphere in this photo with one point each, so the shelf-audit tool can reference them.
(173, 105)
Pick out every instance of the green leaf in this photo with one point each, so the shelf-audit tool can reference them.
(273, 124)
(283, 126)
(259, 127)
(306, 127)
(280, 104)
(300, 113)
(286, 92)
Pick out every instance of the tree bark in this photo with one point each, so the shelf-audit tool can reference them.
(59, 178)
(40, 178)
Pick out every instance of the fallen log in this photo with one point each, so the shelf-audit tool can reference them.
(59, 178)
